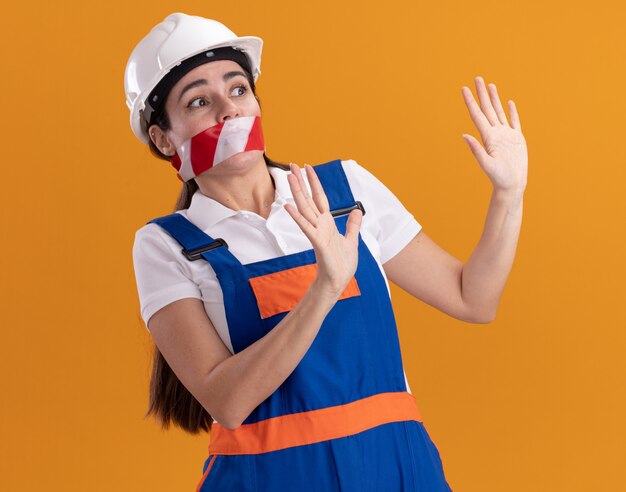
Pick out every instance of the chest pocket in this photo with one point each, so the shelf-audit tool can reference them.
(281, 291)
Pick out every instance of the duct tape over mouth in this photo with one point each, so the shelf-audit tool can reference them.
(215, 144)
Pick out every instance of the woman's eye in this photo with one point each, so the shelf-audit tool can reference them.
(243, 89)
(192, 103)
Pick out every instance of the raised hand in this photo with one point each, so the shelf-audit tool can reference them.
(336, 255)
(504, 157)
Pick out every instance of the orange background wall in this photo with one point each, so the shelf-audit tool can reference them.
(533, 401)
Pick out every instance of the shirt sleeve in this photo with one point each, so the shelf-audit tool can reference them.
(160, 277)
(393, 225)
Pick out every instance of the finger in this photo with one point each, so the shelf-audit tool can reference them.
(353, 225)
(298, 195)
(318, 191)
(301, 204)
(309, 208)
(515, 123)
(485, 102)
(305, 192)
(495, 101)
(303, 223)
(479, 119)
(479, 152)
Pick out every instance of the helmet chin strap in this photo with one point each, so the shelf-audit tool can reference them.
(217, 143)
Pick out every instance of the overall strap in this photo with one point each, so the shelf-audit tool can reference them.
(198, 244)
(337, 189)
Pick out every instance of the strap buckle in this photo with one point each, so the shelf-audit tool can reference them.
(196, 253)
(342, 211)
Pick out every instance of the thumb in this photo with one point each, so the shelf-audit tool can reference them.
(353, 225)
(477, 149)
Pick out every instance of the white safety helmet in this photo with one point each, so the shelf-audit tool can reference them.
(174, 40)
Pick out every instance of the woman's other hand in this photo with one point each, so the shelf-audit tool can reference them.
(504, 157)
(336, 255)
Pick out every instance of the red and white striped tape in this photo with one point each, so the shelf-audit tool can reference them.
(217, 143)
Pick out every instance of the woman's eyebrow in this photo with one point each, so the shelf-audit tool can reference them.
(199, 82)
(191, 85)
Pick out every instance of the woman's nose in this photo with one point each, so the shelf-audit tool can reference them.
(228, 110)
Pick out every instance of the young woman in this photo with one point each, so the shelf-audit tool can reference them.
(266, 290)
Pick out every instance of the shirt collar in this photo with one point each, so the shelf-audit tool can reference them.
(205, 212)
(283, 190)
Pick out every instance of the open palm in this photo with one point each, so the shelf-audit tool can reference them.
(336, 255)
(504, 157)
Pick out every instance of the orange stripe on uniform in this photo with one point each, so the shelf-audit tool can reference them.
(206, 473)
(314, 426)
(281, 291)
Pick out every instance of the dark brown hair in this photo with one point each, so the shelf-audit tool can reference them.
(170, 400)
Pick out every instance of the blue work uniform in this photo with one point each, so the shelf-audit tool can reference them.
(344, 419)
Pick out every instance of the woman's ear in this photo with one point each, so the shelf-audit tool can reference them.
(160, 140)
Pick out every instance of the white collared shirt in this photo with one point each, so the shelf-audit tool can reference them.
(164, 275)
